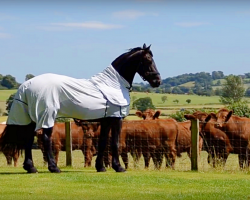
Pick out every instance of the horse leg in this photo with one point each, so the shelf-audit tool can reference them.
(105, 128)
(28, 160)
(47, 145)
(115, 139)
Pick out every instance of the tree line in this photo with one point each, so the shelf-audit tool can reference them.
(203, 84)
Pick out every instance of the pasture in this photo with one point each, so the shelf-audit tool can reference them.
(137, 183)
(77, 182)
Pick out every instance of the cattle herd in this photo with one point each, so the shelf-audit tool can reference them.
(156, 138)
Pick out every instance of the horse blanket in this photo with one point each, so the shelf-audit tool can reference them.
(46, 97)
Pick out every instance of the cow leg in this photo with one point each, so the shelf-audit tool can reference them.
(242, 159)
(8, 158)
(47, 145)
(28, 160)
(115, 139)
(146, 156)
(105, 128)
(15, 158)
(88, 152)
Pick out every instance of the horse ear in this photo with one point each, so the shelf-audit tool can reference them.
(144, 46)
(148, 48)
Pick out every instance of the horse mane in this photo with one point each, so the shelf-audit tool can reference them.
(130, 52)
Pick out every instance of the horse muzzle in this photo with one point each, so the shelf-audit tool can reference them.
(155, 82)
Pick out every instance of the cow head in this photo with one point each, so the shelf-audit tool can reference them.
(148, 114)
(222, 117)
(89, 128)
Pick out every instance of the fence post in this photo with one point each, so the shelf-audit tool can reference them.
(68, 144)
(194, 144)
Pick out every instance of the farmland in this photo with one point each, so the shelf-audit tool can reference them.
(167, 107)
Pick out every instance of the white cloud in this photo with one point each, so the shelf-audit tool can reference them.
(191, 24)
(4, 36)
(86, 25)
(128, 14)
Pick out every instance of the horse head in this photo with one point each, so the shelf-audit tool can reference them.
(147, 68)
(138, 60)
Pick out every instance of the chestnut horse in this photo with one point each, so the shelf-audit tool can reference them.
(103, 98)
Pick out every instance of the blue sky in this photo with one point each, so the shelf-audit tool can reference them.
(81, 38)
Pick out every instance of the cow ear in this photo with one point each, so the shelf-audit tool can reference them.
(157, 114)
(208, 118)
(189, 116)
(211, 115)
(138, 114)
(229, 115)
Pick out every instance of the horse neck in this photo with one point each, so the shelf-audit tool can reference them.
(126, 67)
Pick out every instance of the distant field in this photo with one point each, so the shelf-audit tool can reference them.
(168, 107)
(195, 99)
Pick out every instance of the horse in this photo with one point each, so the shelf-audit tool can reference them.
(103, 98)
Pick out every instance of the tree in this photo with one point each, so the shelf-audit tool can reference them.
(247, 93)
(143, 104)
(164, 99)
(188, 101)
(176, 101)
(9, 102)
(9, 82)
(29, 76)
(232, 90)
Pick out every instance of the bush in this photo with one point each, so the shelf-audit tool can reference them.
(240, 108)
(143, 104)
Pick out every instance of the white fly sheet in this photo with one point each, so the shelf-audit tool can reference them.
(45, 97)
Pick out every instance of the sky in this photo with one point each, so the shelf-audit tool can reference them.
(80, 38)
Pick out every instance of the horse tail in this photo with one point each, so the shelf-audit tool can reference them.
(14, 137)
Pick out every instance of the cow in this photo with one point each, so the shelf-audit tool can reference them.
(237, 130)
(10, 155)
(215, 141)
(183, 140)
(147, 138)
(81, 139)
(170, 133)
(151, 138)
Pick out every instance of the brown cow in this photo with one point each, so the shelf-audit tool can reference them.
(237, 130)
(170, 132)
(215, 141)
(183, 140)
(146, 137)
(151, 137)
(80, 140)
(9, 155)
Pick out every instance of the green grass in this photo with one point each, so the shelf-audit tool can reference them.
(4, 94)
(195, 99)
(137, 183)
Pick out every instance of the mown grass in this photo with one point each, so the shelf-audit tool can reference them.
(137, 183)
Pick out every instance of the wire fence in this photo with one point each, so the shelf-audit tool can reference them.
(159, 144)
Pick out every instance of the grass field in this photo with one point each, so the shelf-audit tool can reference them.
(137, 183)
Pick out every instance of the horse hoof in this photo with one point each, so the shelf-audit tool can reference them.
(31, 170)
(54, 170)
(119, 169)
(101, 169)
